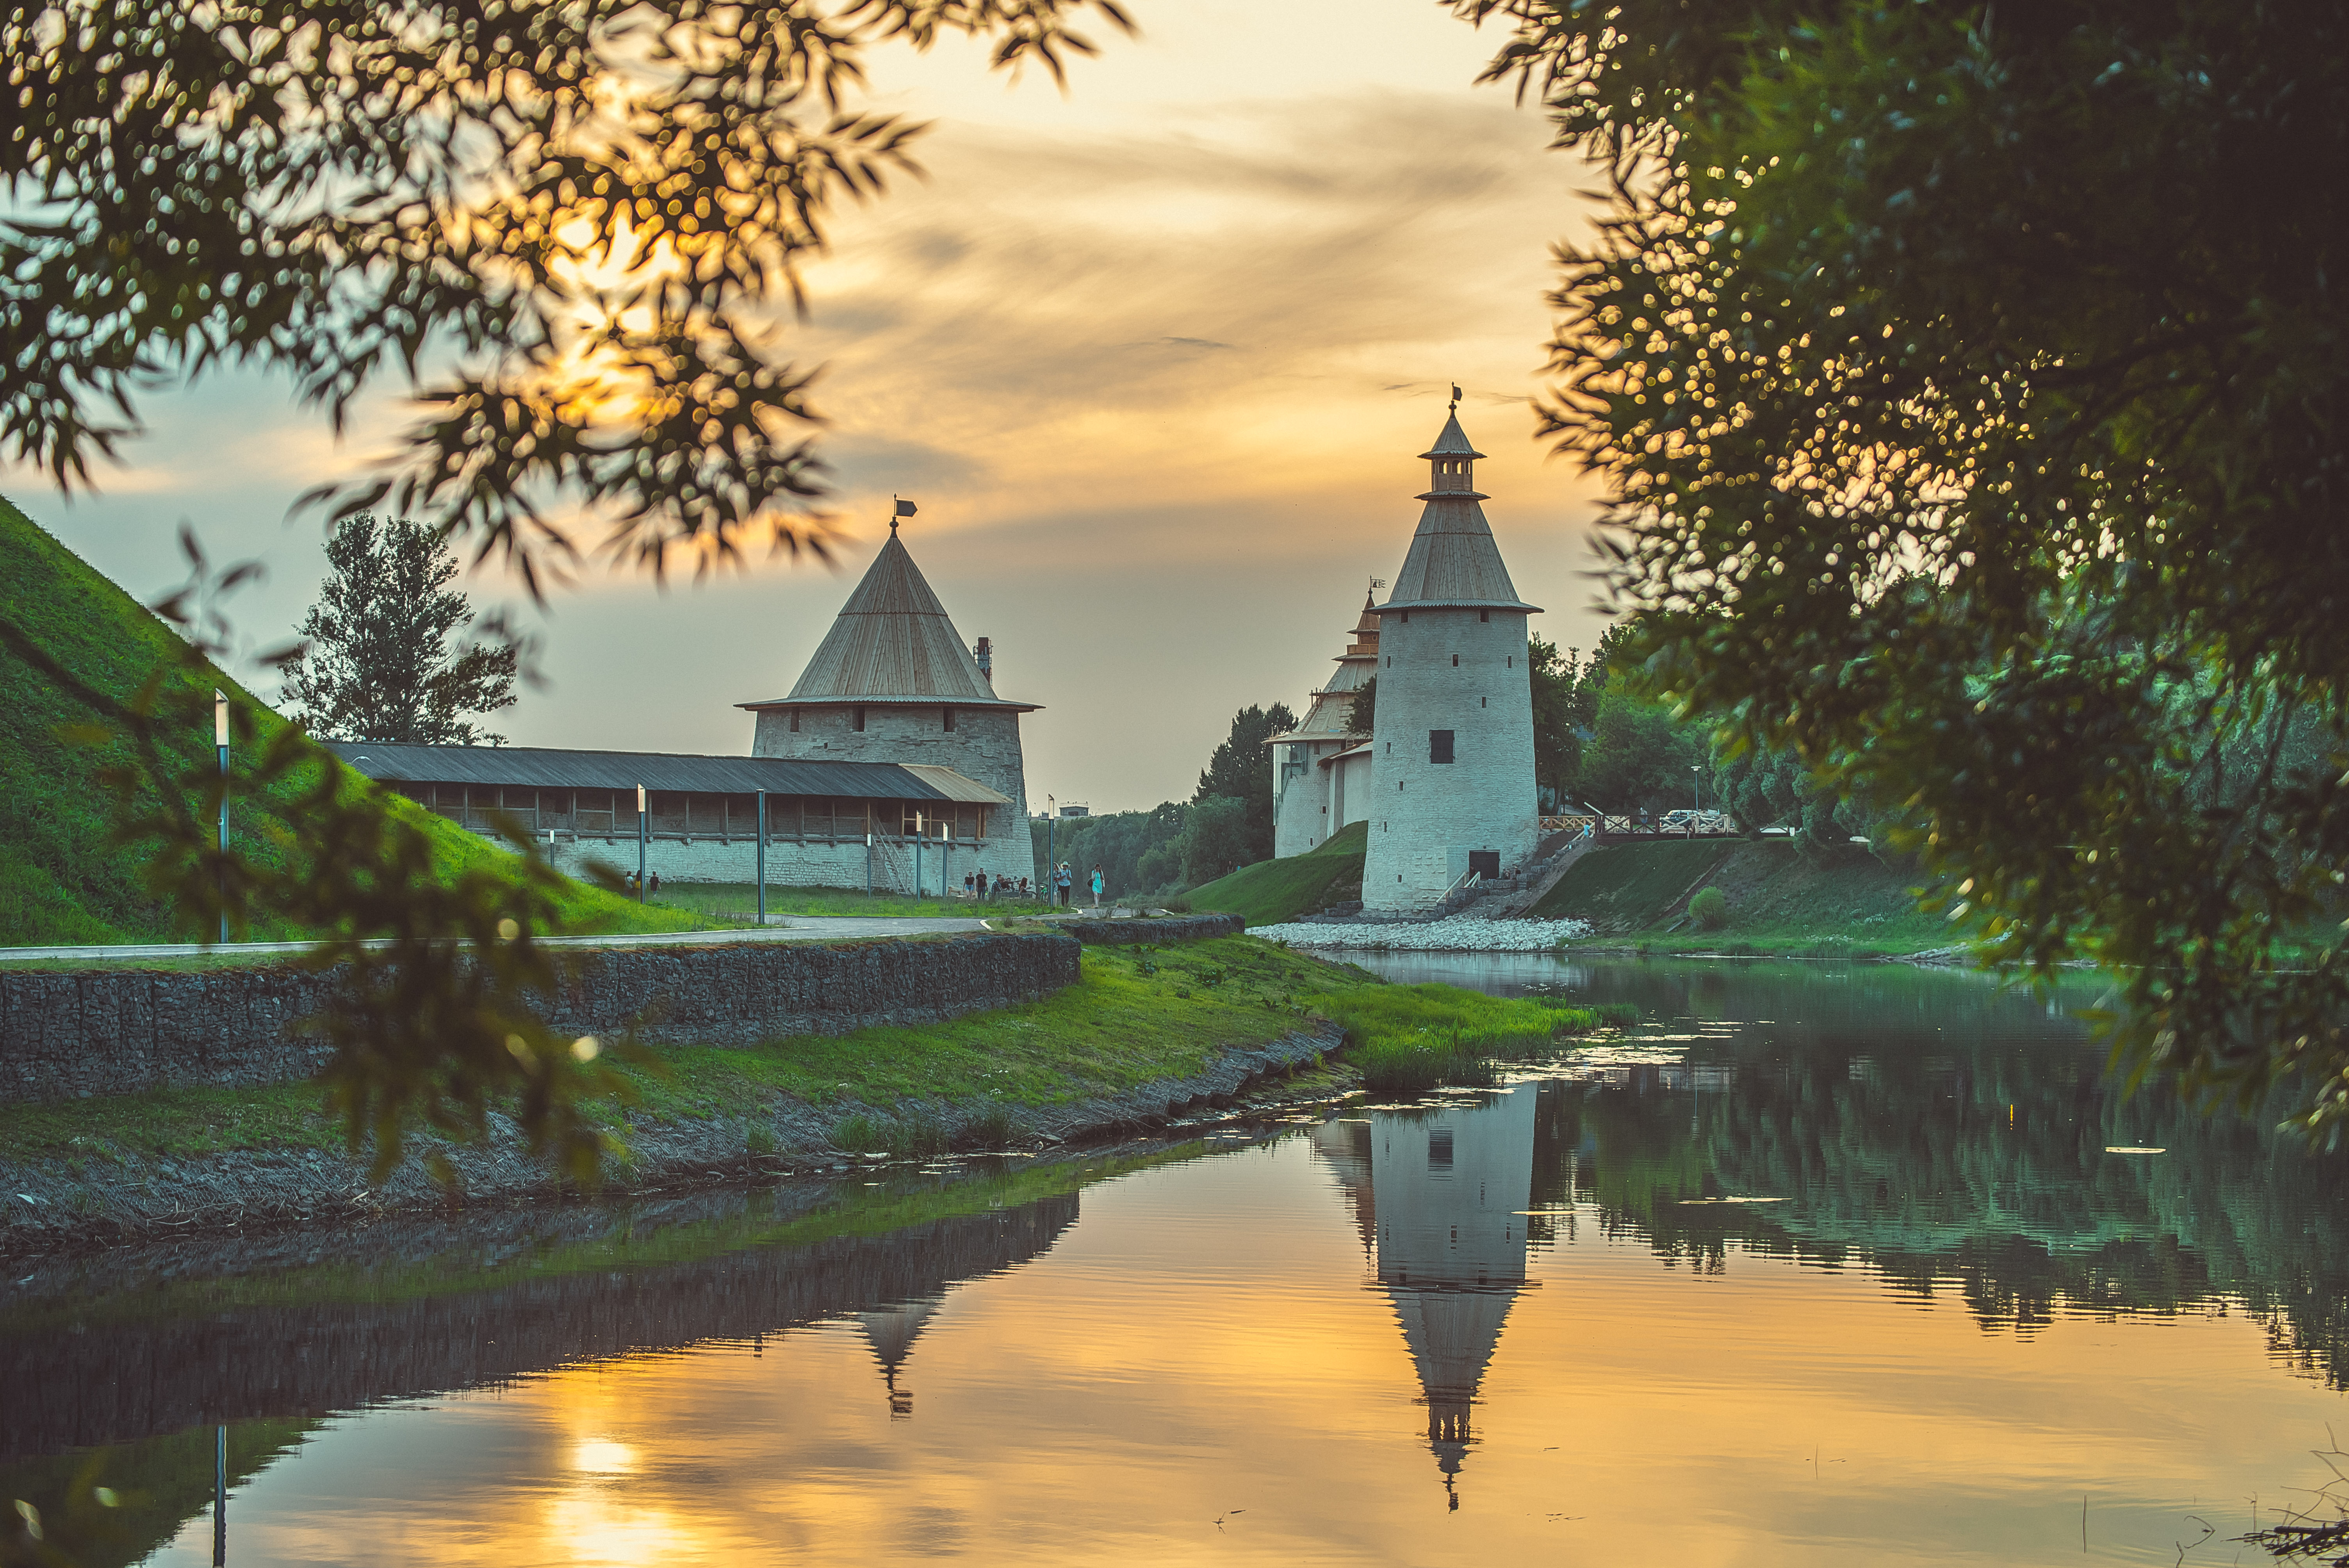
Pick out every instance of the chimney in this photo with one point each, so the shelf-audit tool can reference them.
(984, 654)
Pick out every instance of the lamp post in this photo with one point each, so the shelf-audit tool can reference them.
(644, 842)
(1051, 823)
(1696, 798)
(762, 860)
(219, 741)
(917, 854)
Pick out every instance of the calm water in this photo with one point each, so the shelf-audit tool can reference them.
(1822, 1266)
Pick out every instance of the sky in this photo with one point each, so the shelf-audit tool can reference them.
(1152, 355)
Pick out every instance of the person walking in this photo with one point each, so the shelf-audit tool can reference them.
(966, 884)
(978, 882)
(1062, 880)
(1097, 887)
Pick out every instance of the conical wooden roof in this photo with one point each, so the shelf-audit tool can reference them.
(893, 643)
(1453, 562)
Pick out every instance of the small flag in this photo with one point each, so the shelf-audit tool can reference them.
(1455, 392)
(904, 509)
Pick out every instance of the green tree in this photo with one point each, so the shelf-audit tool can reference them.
(1971, 396)
(1640, 756)
(377, 664)
(1217, 838)
(1566, 705)
(1362, 709)
(1241, 769)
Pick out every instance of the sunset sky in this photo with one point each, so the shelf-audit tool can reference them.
(1154, 356)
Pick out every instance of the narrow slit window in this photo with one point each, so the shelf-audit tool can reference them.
(949, 717)
(795, 721)
(856, 719)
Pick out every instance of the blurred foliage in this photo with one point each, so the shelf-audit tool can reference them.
(601, 207)
(1969, 381)
(435, 1018)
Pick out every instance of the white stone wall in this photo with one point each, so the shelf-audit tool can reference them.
(984, 745)
(1304, 813)
(1425, 816)
(791, 863)
(1350, 790)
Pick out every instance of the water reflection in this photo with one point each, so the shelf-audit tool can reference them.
(1440, 1197)
(1809, 1271)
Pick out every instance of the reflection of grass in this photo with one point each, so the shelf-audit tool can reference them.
(738, 903)
(1406, 1039)
(159, 1483)
(903, 1199)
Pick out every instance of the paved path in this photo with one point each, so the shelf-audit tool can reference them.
(779, 928)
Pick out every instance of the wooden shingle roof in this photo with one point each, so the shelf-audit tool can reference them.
(892, 641)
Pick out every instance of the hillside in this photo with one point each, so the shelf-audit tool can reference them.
(60, 880)
(1271, 892)
(1779, 900)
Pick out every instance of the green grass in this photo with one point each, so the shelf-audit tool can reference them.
(1779, 901)
(737, 903)
(1272, 892)
(1131, 1017)
(1409, 1038)
(61, 881)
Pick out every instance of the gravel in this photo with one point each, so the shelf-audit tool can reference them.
(1461, 933)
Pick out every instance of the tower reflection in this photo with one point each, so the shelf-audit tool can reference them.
(1438, 1195)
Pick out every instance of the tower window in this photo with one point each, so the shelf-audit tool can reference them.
(1406, 618)
(1512, 661)
(1455, 661)
(856, 719)
(1484, 617)
(1439, 746)
(1480, 702)
(949, 717)
(795, 721)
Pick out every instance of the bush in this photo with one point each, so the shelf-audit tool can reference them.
(991, 1127)
(1710, 908)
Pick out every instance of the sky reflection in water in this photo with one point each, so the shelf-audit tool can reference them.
(1503, 1327)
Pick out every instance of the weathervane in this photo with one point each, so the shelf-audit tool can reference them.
(904, 509)
(1455, 398)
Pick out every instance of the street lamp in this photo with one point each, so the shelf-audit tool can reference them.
(1696, 798)
(644, 842)
(220, 742)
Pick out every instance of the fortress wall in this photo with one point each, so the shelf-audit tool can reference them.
(120, 1030)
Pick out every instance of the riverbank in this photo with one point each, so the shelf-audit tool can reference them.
(1144, 1036)
(1777, 901)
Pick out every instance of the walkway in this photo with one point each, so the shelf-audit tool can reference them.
(779, 928)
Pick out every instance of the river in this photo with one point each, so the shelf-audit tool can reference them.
(1819, 1265)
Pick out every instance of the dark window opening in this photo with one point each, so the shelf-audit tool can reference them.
(1439, 746)
(1485, 616)
(1480, 702)
(949, 713)
(1485, 862)
(856, 719)
(795, 721)
(1455, 661)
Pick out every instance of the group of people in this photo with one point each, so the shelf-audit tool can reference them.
(978, 884)
(1064, 881)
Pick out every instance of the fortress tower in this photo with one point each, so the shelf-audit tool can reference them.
(893, 682)
(1452, 759)
(1314, 794)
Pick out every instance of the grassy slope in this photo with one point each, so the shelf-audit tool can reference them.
(1271, 892)
(60, 880)
(1779, 901)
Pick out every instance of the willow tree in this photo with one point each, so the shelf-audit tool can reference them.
(1970, 383)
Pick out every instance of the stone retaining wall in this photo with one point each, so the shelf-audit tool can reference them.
(1175, 928)
(122, 1030)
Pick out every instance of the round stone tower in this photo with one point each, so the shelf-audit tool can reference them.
(1452, 755)
(893, 682)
